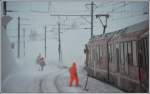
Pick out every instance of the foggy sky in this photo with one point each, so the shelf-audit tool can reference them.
(37, 15)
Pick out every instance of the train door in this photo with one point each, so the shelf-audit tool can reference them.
(143, 63)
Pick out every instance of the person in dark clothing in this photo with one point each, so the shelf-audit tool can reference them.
(42, 63)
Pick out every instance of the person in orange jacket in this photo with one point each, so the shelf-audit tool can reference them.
(73, 75)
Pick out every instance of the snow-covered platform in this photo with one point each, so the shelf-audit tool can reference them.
(53, 79)
(93, 85)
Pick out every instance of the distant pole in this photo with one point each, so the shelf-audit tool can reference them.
(92, 4)
(24, 40)
(59, 44)
(18, 37)
(45, 41)
(5, 8)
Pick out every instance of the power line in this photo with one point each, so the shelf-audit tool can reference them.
(109, 4)
(119, 7)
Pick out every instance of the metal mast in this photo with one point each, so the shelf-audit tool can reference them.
(45, 41)
(59, 44)
(18, 37)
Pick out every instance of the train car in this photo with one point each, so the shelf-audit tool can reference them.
(121, 58)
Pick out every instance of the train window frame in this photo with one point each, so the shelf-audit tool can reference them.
(110, 53)
(97, 54)
(130, 53)
(144, 59)
(100, 54)
(126, 56)
(117, 57)
(102, 50)
(93, 55)
(134, 52)
(144, 45)
(122, 53)
(147, 52)
(113, 53)
(90, 56)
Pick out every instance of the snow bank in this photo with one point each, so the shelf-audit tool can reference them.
(31, 80)
(9, 64)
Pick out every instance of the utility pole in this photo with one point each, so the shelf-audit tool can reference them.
(18, 37)
(92, 15)
(24, 40)
(92, 11)
(72, 15)
(45, 41)
(59, 43)
(4, 8)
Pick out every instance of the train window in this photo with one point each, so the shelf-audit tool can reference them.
(144, 55)
(125, 51)
(117, 57)
(130, 53)
(102, 50)
(114, 53)
(97, 54)
(126, 56)
(93, 55)
(141, 53)
(110, 53)
(90, 56)
(134, 47)
(97, 51)
(122, 53)
(146, 50)
(101, 53)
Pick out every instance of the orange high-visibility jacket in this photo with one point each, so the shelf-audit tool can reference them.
(73, 71)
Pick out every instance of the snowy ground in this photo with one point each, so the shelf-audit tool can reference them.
(32, 80)
(93, 85)
(52, 79)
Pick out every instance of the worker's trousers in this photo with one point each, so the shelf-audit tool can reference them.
(72, 79)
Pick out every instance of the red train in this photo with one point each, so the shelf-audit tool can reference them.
(121, 58)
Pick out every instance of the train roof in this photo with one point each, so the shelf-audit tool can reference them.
(133, 28)
(138, 27)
